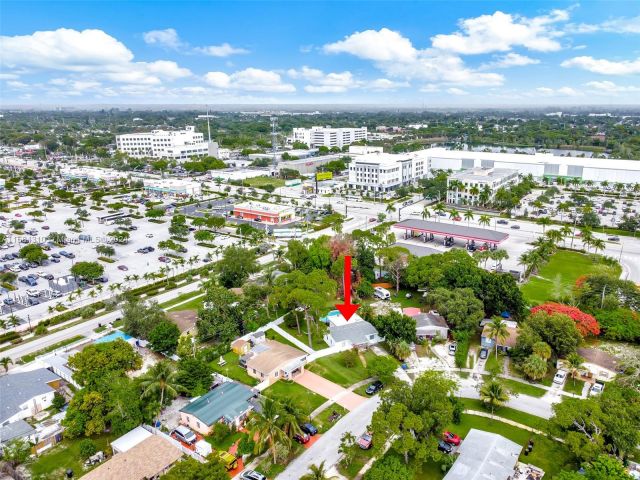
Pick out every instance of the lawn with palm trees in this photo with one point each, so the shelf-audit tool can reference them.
(305, 400)
(559, 274)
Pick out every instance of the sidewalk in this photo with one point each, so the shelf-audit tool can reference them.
(331, 401)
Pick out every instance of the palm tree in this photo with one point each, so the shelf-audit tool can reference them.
(597, 244)
(531, 260)
(390, 209)
(542, 349)
(485, 195)
(291, 417)
(494, 394)
(468, 216)
(5, 362)
(161, 378)
(474, 192)
(439, 209)
(317, 472)
(265, 426)
(484, 220)
(497, 256)
(545, 222)
(566, 231)
(574, 363)
(554, 236)
(453, 213)
(13, 320)
(426, 213)
(498, 330)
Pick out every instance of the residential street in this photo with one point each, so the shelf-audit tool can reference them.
(326, 449)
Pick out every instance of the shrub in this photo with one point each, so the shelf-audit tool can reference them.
(221, 430)
(87, 448)
(586, 324)
(41, 329)
(349, 358)
(58, 401)
(9, 336)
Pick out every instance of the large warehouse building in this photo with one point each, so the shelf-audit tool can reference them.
(539, 165)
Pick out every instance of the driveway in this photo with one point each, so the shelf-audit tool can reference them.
(330, 390)
(326, 448)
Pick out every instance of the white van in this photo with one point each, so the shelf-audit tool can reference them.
(381, 293)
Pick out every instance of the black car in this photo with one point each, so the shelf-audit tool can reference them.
(33, 301)
(55, 260)
(484, 353)
(515, 227)
(503, 222)
(55, 255)
(22, 278)
(309, 428)
(48, 276)
(375, 387)
(444, 447)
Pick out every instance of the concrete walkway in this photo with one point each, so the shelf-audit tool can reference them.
(292, 339)
(331, 401)
(329, 390)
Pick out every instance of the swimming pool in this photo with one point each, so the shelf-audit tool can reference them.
(114, 336)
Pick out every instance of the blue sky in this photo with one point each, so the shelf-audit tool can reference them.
(448, 53)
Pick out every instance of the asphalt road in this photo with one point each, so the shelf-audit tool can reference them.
(326, 449)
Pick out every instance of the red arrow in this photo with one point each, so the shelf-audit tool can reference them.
(347, 309)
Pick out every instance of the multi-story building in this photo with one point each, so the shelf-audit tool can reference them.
(385, 172)
(329, 137)
(174, 144)
(468, 186)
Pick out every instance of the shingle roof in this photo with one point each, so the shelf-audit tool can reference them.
(271, 355)
(355, 332)
(430, 319)
(19, 429)
(228, 401)
(599, 358)
(146, 460)
(484, 455)
(17, 388)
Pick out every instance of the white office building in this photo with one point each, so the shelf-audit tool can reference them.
(92, 174)
(170, 144)
(476, 180)
(172, 188)
(385, 172)
(540, 165)
(329, 137)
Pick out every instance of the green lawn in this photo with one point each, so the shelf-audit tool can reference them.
(233, 370)
(527, 419)
(273, 335)
(180, 298)
(223, 443)
(193, 304)
(322, 422)
(401, 298)
(317, 342)
(573, 386)
(332, 368)
(53, 463)
(306, 400)
(258, 182)
(362, 457)
(563, 268)
(493, 363)
(523, 388)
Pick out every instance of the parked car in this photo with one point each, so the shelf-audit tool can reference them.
(252, 475)
(32, 301)
(560, 377)
(309, 428)
(9, 301)
(452, 348)
(55, 255)
(55, 260)
(484, 353)
(451, 438)
(32, 292)
(445, 447)
(124, 268)
(365, 441)
(45, 227)
(374, 388)
(185, 435)
(302, 438)
(55, 294)
(596, 389)
(164, 259)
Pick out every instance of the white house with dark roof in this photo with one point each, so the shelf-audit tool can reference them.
(360, 334)
(431, 325)
(22, 395)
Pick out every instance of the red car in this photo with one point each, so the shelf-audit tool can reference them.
(451, 438)
(365, 441)
(457, 219)
(302, 438)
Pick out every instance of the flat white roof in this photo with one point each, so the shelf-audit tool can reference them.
(262, 207)
(380, 157)
(130, 439)
(479, 174)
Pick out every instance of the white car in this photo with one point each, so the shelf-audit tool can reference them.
(41, 274)
(32, 292)
(596, 389)
(560, 377)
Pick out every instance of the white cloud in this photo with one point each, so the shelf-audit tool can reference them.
(250, 79)
(457, 91)
(511, 59)
(166, 69)
(502, 31)
(223, 50)
(382, 45)
(608, 87)
(430, 88)
(166, 38)
(617, 25)
(397, 57)
(17, 84)
(603, 66)
(9, 76)
(194, 90)
(381, 84)
(64, 49)
(320, 82)
(557, 92)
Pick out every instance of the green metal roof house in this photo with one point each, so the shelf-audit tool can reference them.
(228, 403)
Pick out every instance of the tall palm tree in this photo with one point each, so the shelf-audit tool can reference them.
(545, 222)
(13, 320)
(426, 213)
(498, 330)
(484, 220)
(317, 472)
(453, 213)
(598, 244)
(494, 394)
(5, 362)
(291, 417)
(566, 231)
(265, 427)
(468, 216)
(554, 236)
(574, 363)
(439, 209)
(162, 378)
(474, 192)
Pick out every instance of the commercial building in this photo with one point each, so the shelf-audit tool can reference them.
(308, 165)
(477, 182)
(92, 174)
(328, 136)
(264, 212)
(540, 165)
(385, 172)
(171, 144)
(170, 187)
(228, 403)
